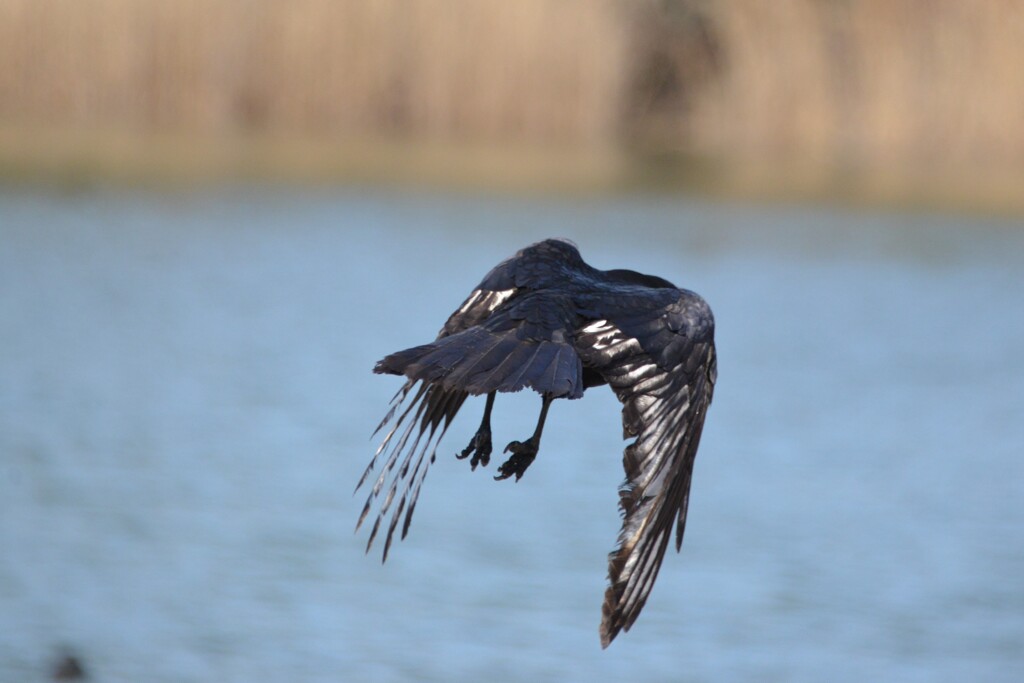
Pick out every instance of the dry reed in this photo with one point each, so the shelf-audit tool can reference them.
(531, 69)
(869, 82)
(848, 82)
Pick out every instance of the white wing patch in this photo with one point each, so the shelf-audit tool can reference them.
(608, 338)
(486, 299)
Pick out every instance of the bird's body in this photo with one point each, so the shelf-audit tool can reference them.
(546, 320)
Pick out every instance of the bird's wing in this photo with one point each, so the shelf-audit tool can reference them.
(424, 408)
(430, 410)
(661, 364)
(526, 342)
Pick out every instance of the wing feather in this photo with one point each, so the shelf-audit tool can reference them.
(477, 307)
(664, 376)
(432, 408)
(526, 342)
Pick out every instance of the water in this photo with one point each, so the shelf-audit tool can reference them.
(185, 406)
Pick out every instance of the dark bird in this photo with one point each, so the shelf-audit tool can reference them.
(546, 320)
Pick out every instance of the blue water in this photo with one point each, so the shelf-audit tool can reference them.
(186, 403)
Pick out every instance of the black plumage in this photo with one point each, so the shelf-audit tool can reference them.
(547, 321)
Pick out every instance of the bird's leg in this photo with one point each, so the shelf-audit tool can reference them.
(523, 452)
(480, 445)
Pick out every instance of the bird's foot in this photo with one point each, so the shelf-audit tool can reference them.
(479, 447)
(523, 454)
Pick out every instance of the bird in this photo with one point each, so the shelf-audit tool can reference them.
(545, 320)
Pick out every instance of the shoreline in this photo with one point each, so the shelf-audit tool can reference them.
(41, 156)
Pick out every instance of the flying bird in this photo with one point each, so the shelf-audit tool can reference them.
(547, 321)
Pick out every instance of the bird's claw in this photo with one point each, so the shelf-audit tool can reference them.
(479, 447)
(523, 454)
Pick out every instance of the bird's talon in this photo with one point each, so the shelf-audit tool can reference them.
(523, 454)
(480, 448)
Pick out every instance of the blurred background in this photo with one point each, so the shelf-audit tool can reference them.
(216, 216)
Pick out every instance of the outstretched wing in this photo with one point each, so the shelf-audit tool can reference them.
(661, 365)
